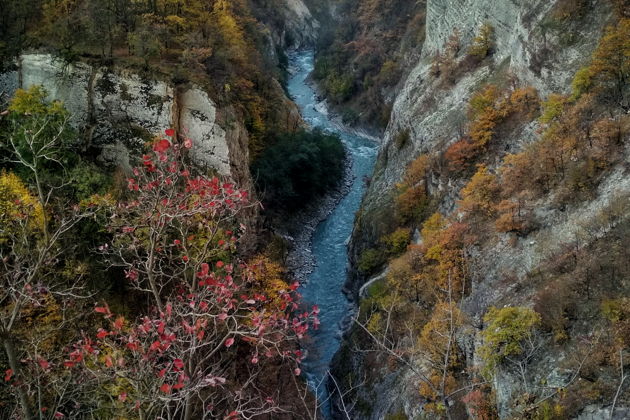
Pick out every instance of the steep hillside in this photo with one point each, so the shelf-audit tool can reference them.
(501, 183)
(364, 50)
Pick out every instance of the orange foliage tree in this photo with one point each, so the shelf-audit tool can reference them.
(412, 195)
(480, 194)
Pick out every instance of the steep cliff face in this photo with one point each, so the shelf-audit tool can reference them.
(117, 107)
(364, 50)
(118, 111)
(538, 44)
(525, 48)
(301, 27)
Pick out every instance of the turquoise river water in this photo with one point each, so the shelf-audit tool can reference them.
(330, 240)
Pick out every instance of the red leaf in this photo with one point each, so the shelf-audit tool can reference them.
(162, 146)
(204, 270)
(187, 143)
(108, 361)
(232, 415)
(118, 324)
(133, 346)
(178, 385)
(101, 334)
(43, 364)
(8, 374)
(170, 132)
(178, 363)
(165, 388)
(59, 415)
(161, 373)
(122, 397)
(103, 310)
(155, 345)
(229, 342)
(131, 275)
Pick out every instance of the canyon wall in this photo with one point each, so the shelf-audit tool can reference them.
(118, 110)
(524, 49)
(533, 47)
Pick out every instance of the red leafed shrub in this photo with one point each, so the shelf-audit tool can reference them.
(480, 404)
(461, 155)
(161, 364)
(210, 329)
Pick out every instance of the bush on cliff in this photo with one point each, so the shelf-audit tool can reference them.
(298, 168)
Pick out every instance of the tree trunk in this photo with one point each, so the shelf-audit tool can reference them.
(9, 349)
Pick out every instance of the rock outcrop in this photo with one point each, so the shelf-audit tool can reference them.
(525, 49)
(118, 110)
(300, 25)
(109, 105)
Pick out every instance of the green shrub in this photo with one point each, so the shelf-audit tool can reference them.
(390, 73)
(582, 82)
(397, 241)
(87, 179)
(370, 260)
(553, 108)
(616, 310)
(549, 411)
(402, 138)
(483, 43)
(299, 167)
(506, 332)
(340, 87)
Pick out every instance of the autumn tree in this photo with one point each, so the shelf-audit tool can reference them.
(412, 196)
(484, 112)
(461, 155)
(483, 43)
(489, 107)
(406, 277)
(173, 239)
(38, 133)
(438, 344)
(480, 194)
(39, 282)
(514, 214)
(177, 220)
(611, 62)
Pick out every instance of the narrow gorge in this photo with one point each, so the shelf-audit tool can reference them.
(328, 243)
(303, 209)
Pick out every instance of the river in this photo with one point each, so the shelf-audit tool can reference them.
(330, 239)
